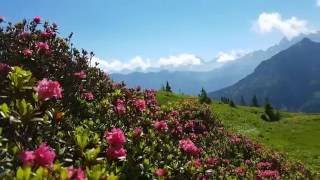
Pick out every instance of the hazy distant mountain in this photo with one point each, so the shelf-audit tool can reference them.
(191, 82)
(290, 79)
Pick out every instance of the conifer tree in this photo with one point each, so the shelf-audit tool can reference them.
(203, 97)
(168, 87)
(255, 101)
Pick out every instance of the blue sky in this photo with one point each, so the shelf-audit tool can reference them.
(153, 29)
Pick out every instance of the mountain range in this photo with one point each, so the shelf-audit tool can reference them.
(191, 82)
(289, 79)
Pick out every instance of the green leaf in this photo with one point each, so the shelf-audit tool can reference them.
(4, 110)
(82, 137)
(92, 154)
(23, 173)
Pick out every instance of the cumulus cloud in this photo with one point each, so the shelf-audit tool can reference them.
(224, 57)
(178, 62)
(291, 27)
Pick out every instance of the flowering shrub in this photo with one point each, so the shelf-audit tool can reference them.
(94, 128)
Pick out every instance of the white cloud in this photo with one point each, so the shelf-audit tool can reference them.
(224, 57)
(318, 3)
(292, 27)
(178, 62)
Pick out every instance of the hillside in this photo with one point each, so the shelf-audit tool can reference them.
(295, 135)
(290, 80)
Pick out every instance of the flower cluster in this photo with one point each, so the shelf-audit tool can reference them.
(42, 156)
(48, 89)
(116, 140)
(189, 147)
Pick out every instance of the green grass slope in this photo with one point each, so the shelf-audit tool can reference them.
(296, 134)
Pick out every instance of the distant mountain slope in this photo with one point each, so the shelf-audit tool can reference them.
(290, 79)
(191, 82)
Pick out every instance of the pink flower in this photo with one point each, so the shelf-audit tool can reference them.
(80, 74)
(189, 126)
(120, 107)
(76, 174)
(197, 163)
(160, 125)
(189, 147)
(248, 162)
(115, 152)
(4, 69)
(48, 33)
(116, 137)
(240, 171)
(1, 19)
(37, 19)
(42, 46)
(27, 158)
(212, 161)
(160, 172)
(27, 53)
(235, 139)
(268, 174)
(47, 89)
(44, 155)
(140, 104)
(264, 165)
(88, 96)
(137, 132)
(24, 34)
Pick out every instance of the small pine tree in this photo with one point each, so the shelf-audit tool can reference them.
(232, 104)
(255, 101)
(270, 114)
(242, 101)
(203, 97)
(168, 87)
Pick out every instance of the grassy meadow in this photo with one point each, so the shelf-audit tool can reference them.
(295, 135)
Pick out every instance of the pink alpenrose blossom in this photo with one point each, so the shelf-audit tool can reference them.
(160, 125)
(48, 89)
(4, 69)
(25, 34)
(76, 174)
(160, 172)
(137, 132)
(88, 96)
(120, 106)
(140, 104)
(80, 74)
(268, 174)
(116, 152)
(42, 46)
(189, 147)
(27, 53)
(44, 155)
(37, 19)
(115, 137)
(27, 158)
